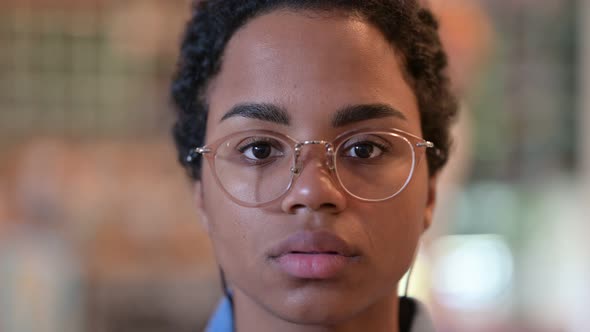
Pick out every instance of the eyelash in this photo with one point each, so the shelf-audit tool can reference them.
(252, 141)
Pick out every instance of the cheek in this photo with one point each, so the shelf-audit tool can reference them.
(397, 230)
(224, 231)
(232, 228)
(394, 230)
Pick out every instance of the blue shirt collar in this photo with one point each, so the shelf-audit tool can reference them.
(222, 320)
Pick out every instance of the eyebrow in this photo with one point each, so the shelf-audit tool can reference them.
(344, 116)
(264, 112)
(357, 113)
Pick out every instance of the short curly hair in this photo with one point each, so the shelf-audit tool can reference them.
(409, 27)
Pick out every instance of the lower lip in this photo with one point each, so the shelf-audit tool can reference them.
(313, 266)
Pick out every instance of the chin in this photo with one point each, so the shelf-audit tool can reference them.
(318, 307)
(314, 315)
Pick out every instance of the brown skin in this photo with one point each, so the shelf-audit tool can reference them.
(312, 65)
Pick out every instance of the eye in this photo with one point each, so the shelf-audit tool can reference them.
(364, 148)
(260, 148)
(258, 151)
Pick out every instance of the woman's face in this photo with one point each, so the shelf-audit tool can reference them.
(317, 255)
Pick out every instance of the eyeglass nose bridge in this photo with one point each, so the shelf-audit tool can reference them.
(298, 165)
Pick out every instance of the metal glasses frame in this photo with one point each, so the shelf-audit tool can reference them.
(418, 144)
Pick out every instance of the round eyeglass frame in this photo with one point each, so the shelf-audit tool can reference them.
(209, 151)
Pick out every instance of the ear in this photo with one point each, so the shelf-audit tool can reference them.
(431, 201)
(199, 204)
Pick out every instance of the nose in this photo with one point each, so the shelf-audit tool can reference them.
(314, 189)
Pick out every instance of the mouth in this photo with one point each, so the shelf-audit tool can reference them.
(313, 255)
(315, 252)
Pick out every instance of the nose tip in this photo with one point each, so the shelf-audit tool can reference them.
(315, 188)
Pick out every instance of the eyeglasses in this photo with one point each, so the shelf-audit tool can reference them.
(257, 167)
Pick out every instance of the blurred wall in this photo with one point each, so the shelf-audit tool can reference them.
(97, 227)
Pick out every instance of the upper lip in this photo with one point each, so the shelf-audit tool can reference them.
(313, 242)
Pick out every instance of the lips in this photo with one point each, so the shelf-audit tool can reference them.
(313, 255)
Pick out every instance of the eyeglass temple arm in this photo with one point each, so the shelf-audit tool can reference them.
(193, 154)
(427, 144)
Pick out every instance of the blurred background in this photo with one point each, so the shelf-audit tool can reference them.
(97, 231)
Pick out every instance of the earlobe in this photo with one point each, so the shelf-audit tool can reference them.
(199, 204)
(431, 202)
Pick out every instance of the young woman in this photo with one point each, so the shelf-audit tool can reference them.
(314, 132)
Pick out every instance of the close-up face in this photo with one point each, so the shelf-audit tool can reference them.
(316, 254)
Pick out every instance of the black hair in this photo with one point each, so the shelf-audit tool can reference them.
(409, 27)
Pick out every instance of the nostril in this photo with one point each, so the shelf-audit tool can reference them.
(328, 206)
(297, 207)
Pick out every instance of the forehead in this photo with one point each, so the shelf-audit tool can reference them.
(311, 64)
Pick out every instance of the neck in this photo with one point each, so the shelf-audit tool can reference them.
(381, 316)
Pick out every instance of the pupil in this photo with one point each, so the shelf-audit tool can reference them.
(261, 151)
(363, 150)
